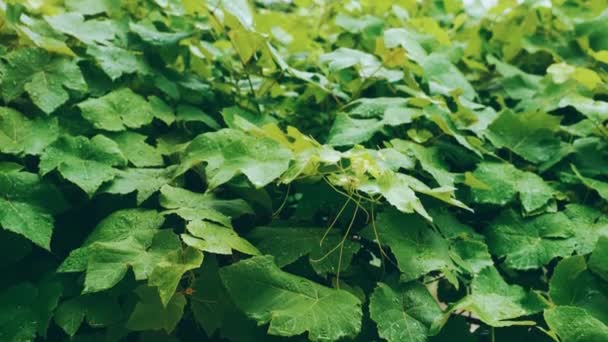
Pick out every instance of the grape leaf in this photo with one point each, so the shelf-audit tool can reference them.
(573, 284)
(417, 248)
(229, 152)
(287, 244)
(404, 313)
(89, 31)
(117, 110)
(213, 238)
(134, 147)
(497, 303)
(20, 134)
(506, 182)
(143, 181)
(87, 163)
(574, 324)
(597, 262)
(528, 243)
(532, 135)
(150, 314)
(291, 304)
(197, 206)
(27, 204)
(43, 77)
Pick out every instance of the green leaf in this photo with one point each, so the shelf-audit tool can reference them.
(288, 244)
(91, 7)
(573, 284)
(213, 238)
(150, 314)
(430, 159)
(170, 270)
(291, 304)
(25, 309)
(210, 303)
(599, 186)
(89, 32)
(591, 225)
(108, 262)
(194, 206)
(406, 39)
(43, 77)
(497, 303)
(138, 152)
(574, 324)
(240, 10)
(27, 204)
(596, 111)
(150, 34)
(116, 61)
(137, 224)
(87, 163)
(396, 188)
(443, 77)
(187, 113)
(143, 181)
(348, 131)
(20, 134)
(229, 152)
(367, 65)
(117, 111)
(468, 249)
(506, 182)
(99, 310)
(403, 313)
(529, 243)
(417, 248)
(532, 135)
(597, 262)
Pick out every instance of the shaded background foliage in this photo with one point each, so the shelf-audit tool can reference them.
(173, 170)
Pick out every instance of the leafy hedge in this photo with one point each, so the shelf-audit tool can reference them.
(357, 170)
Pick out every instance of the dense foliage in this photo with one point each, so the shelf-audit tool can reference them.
(181, 170)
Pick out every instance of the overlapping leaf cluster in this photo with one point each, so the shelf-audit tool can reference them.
(177, 170)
